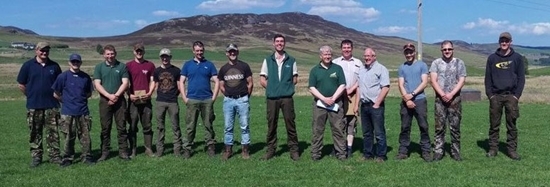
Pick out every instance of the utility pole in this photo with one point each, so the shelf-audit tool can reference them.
(419, 28)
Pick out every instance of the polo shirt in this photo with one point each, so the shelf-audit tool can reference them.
(198, 75)
(350, 68)
(110, 75)
(326, 79)
(140, 75)
(412, 74)
(38, 81)
(167, 80)
(74, 89)
(371, 80)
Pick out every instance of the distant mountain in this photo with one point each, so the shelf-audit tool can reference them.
(17, 30)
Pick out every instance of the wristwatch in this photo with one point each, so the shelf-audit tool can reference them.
(413, 93)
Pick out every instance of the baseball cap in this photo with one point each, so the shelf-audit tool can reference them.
(42, 45)
(165, 51)
(139, 46)
(231, 47)
(506, 35)
(409, 46)
(75, 56)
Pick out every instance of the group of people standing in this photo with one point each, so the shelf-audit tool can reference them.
(343, 88)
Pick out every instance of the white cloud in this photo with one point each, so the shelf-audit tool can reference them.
(141, 23)
(493, 26)
(346, 3)
(165, 13)
(394, 30)
(356, 13)
(218, 5)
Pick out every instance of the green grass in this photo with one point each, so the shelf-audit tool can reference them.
(475, 170)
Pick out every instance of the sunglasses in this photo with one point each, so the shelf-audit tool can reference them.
(447, 49)
(44, 50)
(75, 62)
(503, 41)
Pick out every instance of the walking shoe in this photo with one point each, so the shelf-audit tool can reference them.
(245, 153)
(89, 161)
(491, 153)
(103, 157)
(349, 151)
(36, 162)
(295, 155)
(268, 155)
(379, 160)
(456, 157)
(186, 154)
(149, 153)
(427, 157)
(55, 160)
(124, 156)
(368, 159)
(65, 163)
(211, 150)
(401, 156)
(514, 155)
(315, 158)
(134, 153)
(227, 152)
(438, 157)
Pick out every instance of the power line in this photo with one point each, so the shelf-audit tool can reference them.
(516, 5)
(536, 3)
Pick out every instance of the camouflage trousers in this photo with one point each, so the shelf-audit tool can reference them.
(76, 126)
(450, 113)
(37, 119)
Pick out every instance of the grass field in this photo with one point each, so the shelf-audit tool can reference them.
(200, 170)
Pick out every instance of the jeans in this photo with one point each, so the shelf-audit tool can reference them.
(232, 107)
(420, 113)
(372, 122)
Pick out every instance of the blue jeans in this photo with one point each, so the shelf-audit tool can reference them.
(372, 122)
(232, 107)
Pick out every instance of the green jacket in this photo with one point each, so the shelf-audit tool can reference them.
(285, 86)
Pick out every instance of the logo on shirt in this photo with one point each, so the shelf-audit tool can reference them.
(333, 75)
(503, 65)
(144, 71)
(117, 71)
(51, 71)
(287, 66)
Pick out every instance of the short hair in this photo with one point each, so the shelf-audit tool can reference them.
(198, 43)
(278, 36)
(324, 48)
(109, 47)
(346, 41)
(447, 42)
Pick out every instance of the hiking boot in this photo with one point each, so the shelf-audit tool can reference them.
(514, 155)
(379, 160)
(438, 156)
(134, 152)
(211, 150)
(227, 152)
(103, 157)
(65, 163)
(177, 152)
(186, 154)
(491, 153)
(401, 156)
(55, 160)
(36, 162)
(124, 156)
(349, 152)
(295, 155)
(427, 157)
(367, 159)
(456, 157)
(315, 158)
(268, 155)
(89, 161)
(245, 153)
(149, 152)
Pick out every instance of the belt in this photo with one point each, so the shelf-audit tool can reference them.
(505, 93)
(236, 96)
(366, 101)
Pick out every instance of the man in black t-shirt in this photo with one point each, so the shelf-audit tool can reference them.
(236, 84)
(166, 78)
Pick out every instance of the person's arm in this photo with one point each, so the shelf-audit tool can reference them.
(249, 85)
(402, 90)
(320, 96)
(57, 96)
(152, 87)
(520, 72)
(22, 79)
(263, 74)
(216, 87)
(422, 85)
(181, 86)
(351, 91)
(121, 89)
(263, 81)
(488, 79)
(435, 85)
(381, 96)
(295, 74)
(458, 86)
(357, 102)
(338, 92)
(101, 90)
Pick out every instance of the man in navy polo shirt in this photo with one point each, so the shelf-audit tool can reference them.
(35, 79)
(199, 97)
(73, 88)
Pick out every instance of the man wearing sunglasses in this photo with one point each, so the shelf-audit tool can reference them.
(73, 88)
(504, 82)
(447, 75)
(35, 79)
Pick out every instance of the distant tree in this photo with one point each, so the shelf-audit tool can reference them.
(526, 65)
(99, 49)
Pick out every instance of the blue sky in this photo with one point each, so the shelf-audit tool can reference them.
(476, 21)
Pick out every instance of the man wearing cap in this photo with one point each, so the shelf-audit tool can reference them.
(199, 98)
(504, 83)
(166, 78)
(236, 84)
(351, 66)
(447, 76)
(35, 79)
(327, 82)
(73, 88)
(413, 78)
(139, 99)
(279, 75)
(111, 81)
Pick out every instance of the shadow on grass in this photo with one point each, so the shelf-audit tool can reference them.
(484, 144)
(358, 146)
(302, 146)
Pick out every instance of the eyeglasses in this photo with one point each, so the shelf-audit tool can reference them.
(164, 56)
(75, 62)
(447, 49)
(503, 41)
(44, 50)
(139, 51)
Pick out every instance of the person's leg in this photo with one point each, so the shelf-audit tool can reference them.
(287, 105)
(133, 129)
(192, 114)
(455, 118)
(122, 134)
(83, 133)
(338, 135)
(440, 115)
(378, 120)
(421, 115)
(319, 118)
(512, 114)
(161, 108)
(51, 117)
(146, 114)
(367, 128)
(68, 128)
(405, 134)
(243, 109)
(35, 120)
(272, 117)
(174, 113)
(208, 116)
(106, 118)
(495, 113)
(229, 110)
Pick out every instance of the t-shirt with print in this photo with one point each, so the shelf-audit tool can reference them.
(140, 75)
(448, 73)
(234, 77)
(167, 79)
